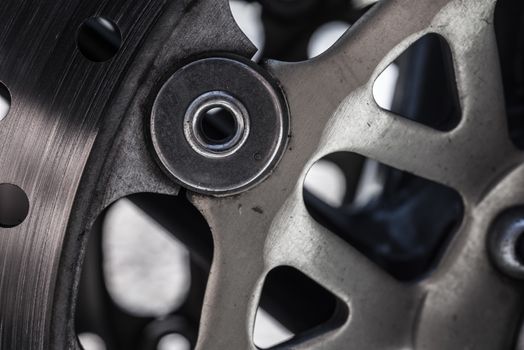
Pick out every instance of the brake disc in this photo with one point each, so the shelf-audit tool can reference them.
(89, 125)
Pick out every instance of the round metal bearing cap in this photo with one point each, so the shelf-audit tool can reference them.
(219, 126)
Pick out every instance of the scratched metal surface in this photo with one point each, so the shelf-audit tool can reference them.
(58, 98)
(465, 303)
(58, 142)
(121, 162)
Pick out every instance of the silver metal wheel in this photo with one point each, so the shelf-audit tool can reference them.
(78, 138)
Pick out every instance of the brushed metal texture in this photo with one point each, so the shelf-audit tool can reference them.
(58, 100)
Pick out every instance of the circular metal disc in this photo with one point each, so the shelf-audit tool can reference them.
(230, 172)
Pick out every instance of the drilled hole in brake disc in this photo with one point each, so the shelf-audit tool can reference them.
(5, 101)
(99, 39)
(519, 248)
(14, 205)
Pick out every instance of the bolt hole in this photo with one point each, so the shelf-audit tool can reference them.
(519, 249)
(5, 101)
(218, 126)
(99, 39)
(14, 205)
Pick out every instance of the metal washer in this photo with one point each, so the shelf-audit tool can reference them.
(195, 113)
(245, 163)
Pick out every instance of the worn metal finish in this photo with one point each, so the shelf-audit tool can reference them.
(66, 109)
(461, 305)
(59, 98)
